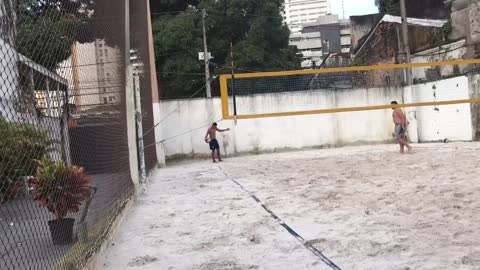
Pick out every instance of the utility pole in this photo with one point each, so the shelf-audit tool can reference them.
(234, 96)
(206, 55)
(233, 82)
(411, 113)
(406, 44)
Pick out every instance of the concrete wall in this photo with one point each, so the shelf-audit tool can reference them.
(186, 122)
(186, 126)
(466, 24)
(452, 122)
(361, 26)
(452, 51)
(474, 81)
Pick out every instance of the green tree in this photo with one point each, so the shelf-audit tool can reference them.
(428, 9)
(177, 42)
(159, 6)
(46, 29)
(260, 41)
(22, 145)
(391, 7)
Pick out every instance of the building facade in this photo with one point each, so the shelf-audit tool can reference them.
(93, 76)
(299, 12)
(326, 37)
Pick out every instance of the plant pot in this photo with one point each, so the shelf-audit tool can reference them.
(62, 231)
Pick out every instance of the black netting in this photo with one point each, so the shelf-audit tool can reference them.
(64, 161)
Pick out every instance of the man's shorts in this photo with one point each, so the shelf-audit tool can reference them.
(399, 132)
(214, 144)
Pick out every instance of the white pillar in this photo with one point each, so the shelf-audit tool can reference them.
(411, 114)
(155, 98)
(130, 102)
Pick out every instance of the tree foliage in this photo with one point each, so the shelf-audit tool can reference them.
(391, 7)
(259, 37)
(427, 9)
(46, 29)
(160, 6)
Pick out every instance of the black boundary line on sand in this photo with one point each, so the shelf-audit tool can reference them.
(305, 243)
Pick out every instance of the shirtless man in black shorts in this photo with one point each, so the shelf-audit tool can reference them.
(212, 133)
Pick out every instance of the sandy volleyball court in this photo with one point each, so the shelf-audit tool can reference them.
(362, 207)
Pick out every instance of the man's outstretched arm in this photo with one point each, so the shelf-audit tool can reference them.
(222, 130)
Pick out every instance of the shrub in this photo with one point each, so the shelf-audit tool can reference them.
(21, 145)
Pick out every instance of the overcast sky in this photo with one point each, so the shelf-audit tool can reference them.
(354, 7)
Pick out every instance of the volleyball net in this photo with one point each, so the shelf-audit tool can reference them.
(348, 89)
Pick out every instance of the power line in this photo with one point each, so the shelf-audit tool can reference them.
(173, 111)
(181, 134)
(181, 73)
(169, 12)
(92, 64)
(245, 14)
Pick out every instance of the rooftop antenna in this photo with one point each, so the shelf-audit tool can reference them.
(343, 9)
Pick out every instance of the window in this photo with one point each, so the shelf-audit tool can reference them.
(111, 99)
(104, 89)
(106, 53)
(105, 100)
(101, 53)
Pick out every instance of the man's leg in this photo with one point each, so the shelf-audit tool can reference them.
(218, 154)
(213, 156)
(402, 146)
(405, 142)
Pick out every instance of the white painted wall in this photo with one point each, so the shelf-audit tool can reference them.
(185, 129)
(8, 80)
(452, 51)
(452, 122)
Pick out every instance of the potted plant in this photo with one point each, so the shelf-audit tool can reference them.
(61, 189)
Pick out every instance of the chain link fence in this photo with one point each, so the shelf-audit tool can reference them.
(65, 160)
